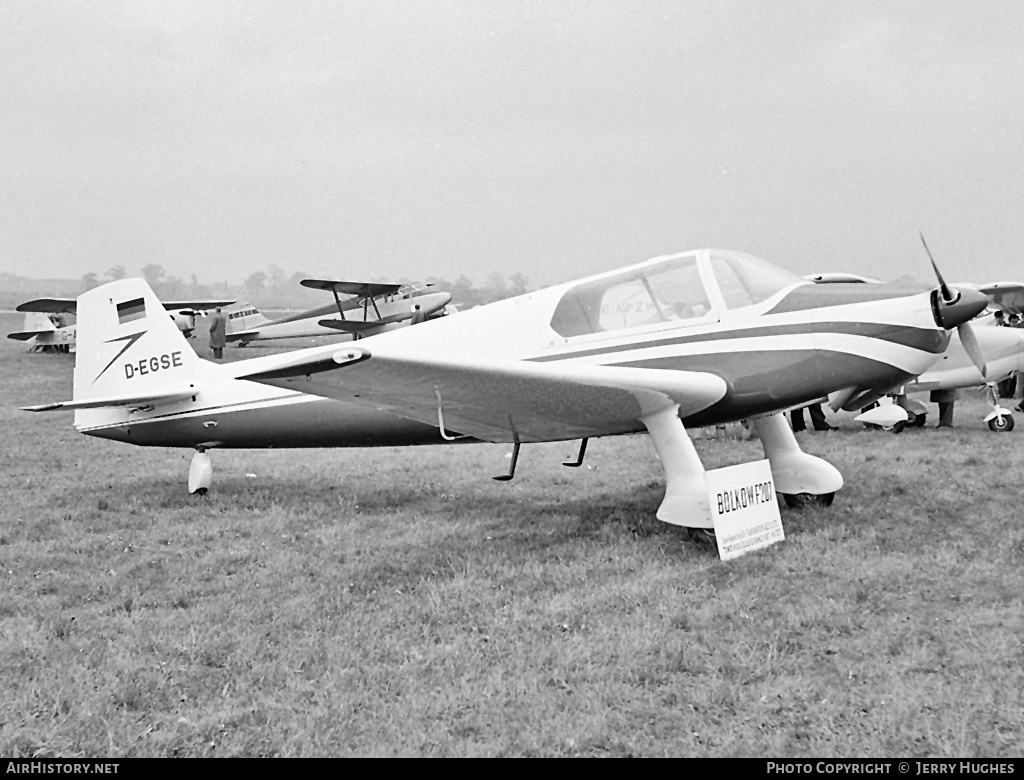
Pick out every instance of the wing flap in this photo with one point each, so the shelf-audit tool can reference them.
(148, 399)
(498, 400)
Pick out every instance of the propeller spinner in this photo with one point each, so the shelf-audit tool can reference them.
(953, 308)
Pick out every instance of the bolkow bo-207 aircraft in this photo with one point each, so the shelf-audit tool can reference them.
(697, 338)
(372, 308)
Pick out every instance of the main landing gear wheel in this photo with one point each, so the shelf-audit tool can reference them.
(899, 426)
(916, 420)
(704, 536)
(798, 500)
(1001, 424)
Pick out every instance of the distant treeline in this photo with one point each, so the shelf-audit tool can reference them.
(270, 289)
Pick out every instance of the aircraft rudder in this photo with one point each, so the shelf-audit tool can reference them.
(128, 342)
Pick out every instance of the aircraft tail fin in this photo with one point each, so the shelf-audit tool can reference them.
(37, 323)
(129, 347)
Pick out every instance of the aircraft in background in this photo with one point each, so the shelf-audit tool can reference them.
(369, 308)
(1001, 351)
(46, 333)
(693, 339)
(53, 330)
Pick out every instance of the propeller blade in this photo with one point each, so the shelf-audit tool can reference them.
(970, 342)
(947, 294)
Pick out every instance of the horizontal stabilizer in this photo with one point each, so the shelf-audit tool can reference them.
(149, 399)
(361, 289)
(26, 335)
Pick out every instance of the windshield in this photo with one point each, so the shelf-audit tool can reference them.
(745, 280)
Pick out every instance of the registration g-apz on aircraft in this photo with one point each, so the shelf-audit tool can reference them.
(697, 338)
(368, 308)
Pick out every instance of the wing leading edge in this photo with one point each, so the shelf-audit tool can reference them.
(499, 400)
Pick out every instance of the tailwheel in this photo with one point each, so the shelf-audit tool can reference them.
(798, 500)
(1002, 423)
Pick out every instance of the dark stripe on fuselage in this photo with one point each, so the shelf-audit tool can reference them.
(925, 339)
(762, 381)
(818, 296)
(316, 423)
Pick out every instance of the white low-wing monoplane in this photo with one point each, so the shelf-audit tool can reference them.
(369, 308)
(693, 339)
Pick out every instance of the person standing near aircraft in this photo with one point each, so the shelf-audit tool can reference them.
(945, 399)
(417, 315)
(817, 419)
(218, 334)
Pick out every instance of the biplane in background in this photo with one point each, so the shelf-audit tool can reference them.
(46, 323)
(989, 355)
(693, 339)
(367, 309)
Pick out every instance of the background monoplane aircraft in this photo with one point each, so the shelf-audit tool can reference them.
(44, 332)
(368, 308)
(692, 339)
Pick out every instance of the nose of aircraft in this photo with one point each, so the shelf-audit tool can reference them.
(967, 305)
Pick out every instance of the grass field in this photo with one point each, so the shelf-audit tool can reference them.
(400, 602)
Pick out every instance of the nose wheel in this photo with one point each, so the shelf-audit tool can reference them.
(1002, 423)
(200, 473)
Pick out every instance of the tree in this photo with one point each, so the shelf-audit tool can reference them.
(153, 273)
(254, 284)
(276, 275)
(519, 284)
(117, 272)
(90, 280)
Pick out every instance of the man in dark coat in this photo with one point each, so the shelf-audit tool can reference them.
(218, 334)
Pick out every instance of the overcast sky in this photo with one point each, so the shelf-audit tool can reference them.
(554, 139)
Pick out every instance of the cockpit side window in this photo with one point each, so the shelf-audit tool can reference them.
(745, 280)
(646, 296)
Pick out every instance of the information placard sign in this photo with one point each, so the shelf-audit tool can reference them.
(744, 508)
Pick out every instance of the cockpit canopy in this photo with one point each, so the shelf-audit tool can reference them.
(695, 286)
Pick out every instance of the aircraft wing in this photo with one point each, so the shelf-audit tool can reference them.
(498, 400)
(242, 334)
(50, 305)
(148, 399)
(359, 289)
(199, 305)
(361, 326)
(70, 305)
